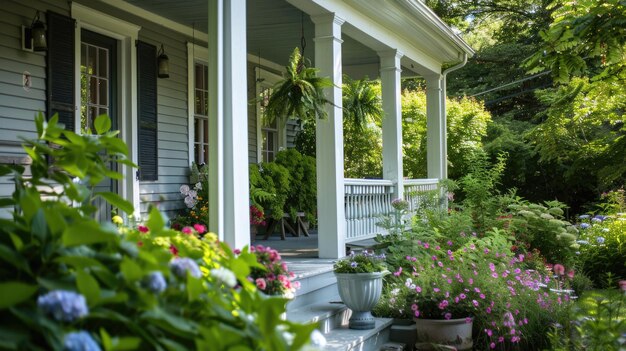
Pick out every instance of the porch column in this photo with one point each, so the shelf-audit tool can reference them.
(329, 145)
(436, 148)
(228, 159)
(390, 70)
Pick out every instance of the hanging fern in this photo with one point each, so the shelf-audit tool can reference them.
(300, 94)
(361, 102)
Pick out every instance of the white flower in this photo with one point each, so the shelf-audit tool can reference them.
(318, 339)
(224, 275)
(198, 186)
(395, 292)
(190, 202)
(192, 193)
(184, 189)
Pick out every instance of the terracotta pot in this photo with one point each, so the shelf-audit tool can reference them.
(432, 334)
(360, 292)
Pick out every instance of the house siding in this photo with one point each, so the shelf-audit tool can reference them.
(18, 106)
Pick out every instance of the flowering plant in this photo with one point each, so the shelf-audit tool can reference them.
(196, 205)
(480, 281)
(363, 262)
(272, 276)
(257, 216)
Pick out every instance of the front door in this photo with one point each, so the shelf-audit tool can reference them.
(98, 82)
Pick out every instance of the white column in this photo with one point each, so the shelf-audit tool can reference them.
(329, 145)
(436, 148)
(216, 117)
(390, 70)
(229, 69)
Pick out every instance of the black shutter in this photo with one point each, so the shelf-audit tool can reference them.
(147, 111)
(60, 65)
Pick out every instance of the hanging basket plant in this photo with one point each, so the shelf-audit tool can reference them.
(299, 95)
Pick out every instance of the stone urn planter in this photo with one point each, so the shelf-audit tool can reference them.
(433, 334)
(360, 292)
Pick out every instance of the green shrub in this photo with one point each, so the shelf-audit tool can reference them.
(603, 248)
(273, 179)
(65, 277)
(302, 196)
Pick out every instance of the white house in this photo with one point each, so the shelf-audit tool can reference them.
(101, 57)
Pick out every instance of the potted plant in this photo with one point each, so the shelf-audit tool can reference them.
(360, 284)
(451, 285)
(300, 94)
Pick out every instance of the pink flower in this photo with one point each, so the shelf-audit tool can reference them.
(559, 269)
(468, 319)
(622, 285)
(173, 250)
(143, 229)
(417, 314)
(187, 230)
(426, 245)
(440, 264)
(261, 284)
(414, 307)
(492, 345)
(462, 296)
(475, 303)
(237, 251)
(571, 273)
(418, 289)
(200, 228)
(449, 242)
(448, 315)
(436, 290)
(397, 274)
(489, 332)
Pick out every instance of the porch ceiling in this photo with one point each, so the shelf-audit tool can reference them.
(274, 30)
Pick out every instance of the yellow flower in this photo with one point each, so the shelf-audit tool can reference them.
(117, 220)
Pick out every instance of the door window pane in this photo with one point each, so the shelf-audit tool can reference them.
(201, 114)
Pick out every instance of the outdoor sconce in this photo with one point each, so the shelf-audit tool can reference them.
(163, 63)
(34, 37)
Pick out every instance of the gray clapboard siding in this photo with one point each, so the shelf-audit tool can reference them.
(173, 142)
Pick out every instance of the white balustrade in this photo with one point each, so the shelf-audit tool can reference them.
(365, 202)
(414, 189)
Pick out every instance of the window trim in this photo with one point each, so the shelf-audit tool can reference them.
(195, 54)
(265, 79)
(126, 34)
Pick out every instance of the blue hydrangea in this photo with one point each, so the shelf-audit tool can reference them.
(600, 240)
(66, 306)
(584, 225)
(155, 282)
(181, 265)
(353, 264)
(80, 341)
(585, 216)
(598, 218)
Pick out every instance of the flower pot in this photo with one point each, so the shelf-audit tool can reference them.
(434, 333)
(360, 292)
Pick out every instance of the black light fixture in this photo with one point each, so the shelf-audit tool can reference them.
(34, 37)
(164, 64)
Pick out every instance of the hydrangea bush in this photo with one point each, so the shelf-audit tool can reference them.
(69, 282)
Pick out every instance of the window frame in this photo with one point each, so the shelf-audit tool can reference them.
(195, 54)
(263, 80)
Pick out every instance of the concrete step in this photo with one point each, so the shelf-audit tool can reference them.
(318, 301)
(345, 339)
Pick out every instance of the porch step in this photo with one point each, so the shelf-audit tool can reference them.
(318, 301)
(344, 339)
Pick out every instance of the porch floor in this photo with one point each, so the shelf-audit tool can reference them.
(291, 247)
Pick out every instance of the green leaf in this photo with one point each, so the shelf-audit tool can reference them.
(102, 124)
(88, 286)
(14, 258)
(131, 270)
(194, 287)
(155, 222)
(126, 343)
(106, 340)
(12, 293)
(80, 262)
(87, 232)
(117, 201)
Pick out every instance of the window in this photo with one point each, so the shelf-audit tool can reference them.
(94, 82)
(270, 136)
(269, 131)
(201, 114)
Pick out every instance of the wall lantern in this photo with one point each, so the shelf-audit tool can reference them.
(34, 37)
(164, 64)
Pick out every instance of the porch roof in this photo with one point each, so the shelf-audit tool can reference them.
(275, 28)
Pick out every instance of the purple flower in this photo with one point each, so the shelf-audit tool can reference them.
(353, 264)
(65, 306)
(448, 315)
(181, 265)
(155, 282)
(80, 341)
(584, 225)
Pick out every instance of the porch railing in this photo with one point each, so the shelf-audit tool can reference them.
(414, 191)
(365, 202)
